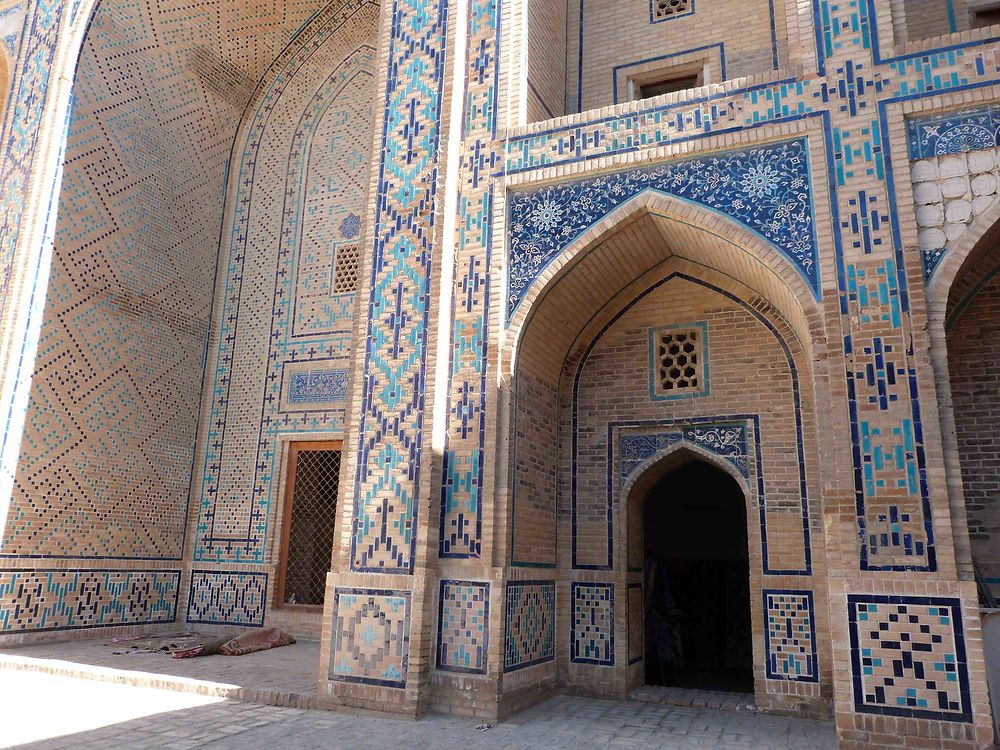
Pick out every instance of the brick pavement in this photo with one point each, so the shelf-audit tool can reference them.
(561, 722)
(285, 676)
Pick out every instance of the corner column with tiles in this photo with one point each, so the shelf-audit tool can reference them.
(380, 614)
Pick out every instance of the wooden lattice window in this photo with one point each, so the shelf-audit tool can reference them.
(310, 511)
(661, 10)
(345, 269)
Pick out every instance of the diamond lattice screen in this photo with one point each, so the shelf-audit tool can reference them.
(310, 537)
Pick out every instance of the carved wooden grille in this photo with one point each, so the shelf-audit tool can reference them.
(345, 269)
(310, 512)
(666, 8)
(678, 361)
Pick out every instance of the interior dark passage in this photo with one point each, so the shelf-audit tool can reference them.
(697, 582)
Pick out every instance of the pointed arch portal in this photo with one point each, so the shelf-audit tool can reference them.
(694, 541)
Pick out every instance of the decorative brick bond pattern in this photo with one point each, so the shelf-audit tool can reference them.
(530, 624)
(463, 620)
(39, 600)
(370, 636)
(908, 657)
(296, 192)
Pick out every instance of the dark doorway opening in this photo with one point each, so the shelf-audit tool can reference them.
(697, 582)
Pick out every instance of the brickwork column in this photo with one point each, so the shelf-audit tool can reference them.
(380, 624)
(905, 631)
(469, 611)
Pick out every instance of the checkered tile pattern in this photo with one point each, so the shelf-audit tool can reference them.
(908, 657)
(463, 627)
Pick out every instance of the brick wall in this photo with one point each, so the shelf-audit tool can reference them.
(612, 399)
(622, 33)
(546, 59)
(930, 18)
(535, 470)
(748, 373)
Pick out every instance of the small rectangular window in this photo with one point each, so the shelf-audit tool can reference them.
(667, 86)
(985, 16)
(313, 480)
(345, 269)
(678, 361)
(667, 81)
(661, 10)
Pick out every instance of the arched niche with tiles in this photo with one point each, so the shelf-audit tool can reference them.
(581, 352)
(113, 399)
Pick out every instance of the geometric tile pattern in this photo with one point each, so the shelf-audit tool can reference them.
(371, 633)
(463, 626)
(390, 424)
(227, 598)
(882, 393)
(40, 600)
(465, 435)
(766, 188)
(114, 394)
(592, 636)
(954, 132)
(298, 177)
(530, 624)
(908, 657)
(790, 636)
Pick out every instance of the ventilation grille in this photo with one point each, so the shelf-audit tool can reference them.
(345, 269)
(678, 361)
(310, 535)
(663, 9)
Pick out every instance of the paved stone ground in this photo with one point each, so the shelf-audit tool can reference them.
(88, 715)
(270, 676)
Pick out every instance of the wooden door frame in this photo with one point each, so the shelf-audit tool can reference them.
(294, 447)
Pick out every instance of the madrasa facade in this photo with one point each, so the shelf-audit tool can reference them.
(513, 346)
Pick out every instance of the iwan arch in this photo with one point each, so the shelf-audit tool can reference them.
(504, 355)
